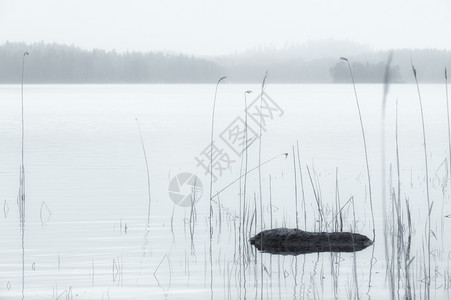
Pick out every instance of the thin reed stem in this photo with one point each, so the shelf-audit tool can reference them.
(356, 283)
(270, 201)
(211, 184)
(23, 126)
(428, 279)
(383, 180)
(245, 167)
(260, 151)
(147, 172)
(364, 146)
(295, 190)
(447, 115)
(302, 185)
(317, 198)
(241, 213)
(247, 172)
(260, 178)
(338, 204)
(22, 180)
(211, 147)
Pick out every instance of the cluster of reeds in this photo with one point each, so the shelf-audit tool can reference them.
(405, 273)
(250, 213)
(397, 220)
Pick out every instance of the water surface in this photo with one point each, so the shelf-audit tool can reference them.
(86, 230)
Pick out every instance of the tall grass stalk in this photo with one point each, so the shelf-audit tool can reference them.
(248, 172)
(147, 172)
(384, 103)
(260, 151)
(241, 214)
(211, 151)
(364, 145)
(21, 197)
(428, 226)
(22, 110)
(172, 224)
(245, 167)
(356, 283)
(260, 176)
(449, 145)
(318, 200)
(396, 234)
(339, 215)
(270, 202)
(407, 260)
(295, 190)
(211, 183)
(447, 115)
(193, 218)
(389, 269)
(399, 224)
(271, 226)
(302, 186)
(255, 216)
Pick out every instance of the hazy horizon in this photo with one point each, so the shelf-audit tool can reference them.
(314, 48)
(311, 63)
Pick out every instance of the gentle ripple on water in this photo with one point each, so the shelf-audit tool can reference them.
(84, 161)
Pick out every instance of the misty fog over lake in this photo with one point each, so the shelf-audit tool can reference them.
(225, 150)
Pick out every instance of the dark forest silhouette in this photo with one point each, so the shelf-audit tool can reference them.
(55, 63)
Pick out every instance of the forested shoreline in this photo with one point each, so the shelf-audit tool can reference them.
(56, 63)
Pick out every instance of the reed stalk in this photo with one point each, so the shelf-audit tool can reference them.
(147, 171)
(317, 198)
(428, 226)
(245, 169)
(295, 190)
(248, 172)
(260, 176)
(447, 115)
(211, 151)
(389, 260)
(364, 146)
(241, 214)
(302, 185)
(21, 198)
(211, 184)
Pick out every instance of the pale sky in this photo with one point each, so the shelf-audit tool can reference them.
(212, 27)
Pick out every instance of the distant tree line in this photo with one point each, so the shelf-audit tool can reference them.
(55, 63)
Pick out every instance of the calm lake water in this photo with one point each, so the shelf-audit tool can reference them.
(87, 233)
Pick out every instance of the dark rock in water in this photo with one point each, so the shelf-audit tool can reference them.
(288, 241)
